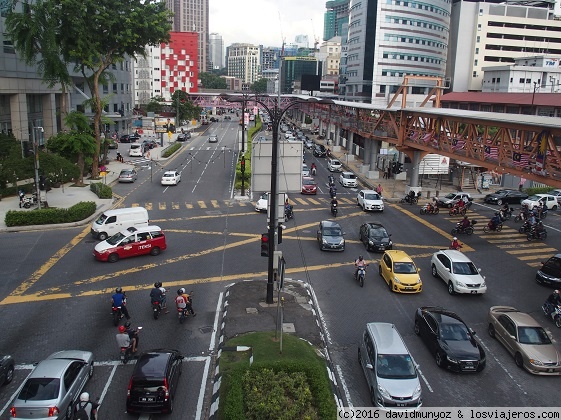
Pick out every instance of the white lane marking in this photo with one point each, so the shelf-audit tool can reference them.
(204, 169)
(488, 352)
(422, 375)
(106, 387)
(320, 315)
(344, 385)
(14, 395)
(215, 325)
(202, 390)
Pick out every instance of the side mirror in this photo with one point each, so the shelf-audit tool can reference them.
(471, 331)
(319, 232)
(418, 270)
(369, 366)
(479, 269)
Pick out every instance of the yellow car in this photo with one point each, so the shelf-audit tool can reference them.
(400, 272)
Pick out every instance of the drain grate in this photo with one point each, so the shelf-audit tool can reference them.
(205, 330)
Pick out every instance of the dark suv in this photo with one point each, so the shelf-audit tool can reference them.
(319, 150)
(154, 381)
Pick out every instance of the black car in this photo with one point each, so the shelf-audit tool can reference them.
(375, 237)
(319, 151)
(227, 118)
(126, 138)
(506, 196)
(150, 144)
(550, 273)
(154, 381)
(6, 369)
(449, 339)
(183, 136)
(330, 236)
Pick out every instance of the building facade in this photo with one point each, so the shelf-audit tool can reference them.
(330, 56)
(244, 62)
(216, 51)
(145, 71)
(489, 34)
(179, 64)
(192, 16)
(292, 69)
(335, 18)
(270, 57)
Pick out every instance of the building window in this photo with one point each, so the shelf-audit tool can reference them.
(114, 87)
(528, 80)
(479, 27)
(498, 80)
(478, 39)
(475, 62)
(474, 74)
(477, 50)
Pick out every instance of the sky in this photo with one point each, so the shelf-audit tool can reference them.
(266, 22)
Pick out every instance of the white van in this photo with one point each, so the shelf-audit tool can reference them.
(135, 150)
(113, 221)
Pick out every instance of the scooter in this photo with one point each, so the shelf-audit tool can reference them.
(506, 214)
(361, 274)
(334, 209)
(126, 353)
(314, 170)
(288, 213)
(117, 314)
(429, 209)
(411, 199)
(457, 210)
(156, 308)
(537, 233)
(332, 192)
(331, 180)
(27, 201)
(183, 313)
(489, 227)
(467, 230)
(553, 312)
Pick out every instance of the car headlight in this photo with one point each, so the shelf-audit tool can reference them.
(419, 280)
(483, 284)
(396, 280)
(460, 284)
(536, 362)
(383, 392)
(324, 241)
(451, 359)
(417, 392)
(341, 242)
(370, 242)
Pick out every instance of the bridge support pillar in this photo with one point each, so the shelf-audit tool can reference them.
(374, 151)
(350, 145)
(367, 147)
(416, 163)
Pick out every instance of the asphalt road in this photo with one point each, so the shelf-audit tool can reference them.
(55, 296)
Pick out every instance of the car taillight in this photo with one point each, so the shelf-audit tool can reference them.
(13, 411)
(53, 411)
(129, 388)
(166, 388)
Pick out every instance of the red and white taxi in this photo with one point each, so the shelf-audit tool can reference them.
(130, 243)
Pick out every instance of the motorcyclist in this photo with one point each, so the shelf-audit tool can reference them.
(314, 168)
(120, 299)
(287, 208)
(531, 220)
(553, 300)
(334, 202)
(331, 180)
(158, 295)
(455, 244)
(123, 339)
(538, 210)
(411, 195)
(460, 204)
(495, 221)
(332, 191)
(465, 223)
(133, 334)
(182, 302)
(360, 262)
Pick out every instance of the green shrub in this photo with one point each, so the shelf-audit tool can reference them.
(537, 190)
(170, 150)
(101, 190)
(50, 216)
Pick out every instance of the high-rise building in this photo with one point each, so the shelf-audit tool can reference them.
(336, 15)
(244, 62)
(388, 40)
(145, 71)
(302, 41)
(179, 64)
(330, 56)
(216, 51)
(192, 16)
(292, 69)
(270, 57)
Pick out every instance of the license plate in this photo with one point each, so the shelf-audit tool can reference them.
(408, 288)
(146, 399)
(474, 292)
(550, 371)
(401, 405)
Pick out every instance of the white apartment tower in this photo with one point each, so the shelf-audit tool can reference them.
(244, 62)
(216, 51)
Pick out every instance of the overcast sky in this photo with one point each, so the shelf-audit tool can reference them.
(263, 21)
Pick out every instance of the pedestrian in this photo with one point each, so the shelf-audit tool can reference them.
(389, 172)
(379, 189)
(21, 196)
(385, 174)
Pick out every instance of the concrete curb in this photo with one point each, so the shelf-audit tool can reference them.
(318, 317)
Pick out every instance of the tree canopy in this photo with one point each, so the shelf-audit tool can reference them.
(259, 86)
(212, 81)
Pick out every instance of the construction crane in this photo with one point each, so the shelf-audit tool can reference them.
(316, 39)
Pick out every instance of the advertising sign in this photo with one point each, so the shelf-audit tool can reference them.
(162, 124)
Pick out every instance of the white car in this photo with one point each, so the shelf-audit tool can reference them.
(458, 272)
(171, 178)
(135, 150)
(370, 200)
(548, 200)
(263, 202)
(334, 165)
(305, 170)
(348, 179)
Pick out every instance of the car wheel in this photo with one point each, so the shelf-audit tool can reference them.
(69, 411)
(499, 202)
(359, 358)
(434, 272)
(417, 328)
(390, 285)
(439, 359)
(372, 396)
(554, 208)
(170, 404)
(9, 375)
(451, 288)
(491, 331)
(380, 271)
(518, 360)
(102, 236)
(113, 258)
(155, 251)
(91, 370)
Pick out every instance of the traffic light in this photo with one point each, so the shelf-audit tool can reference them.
(264, 244)
(27, 150)
(399, 168)
(242, 164)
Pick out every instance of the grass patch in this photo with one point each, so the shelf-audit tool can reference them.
(290, 385)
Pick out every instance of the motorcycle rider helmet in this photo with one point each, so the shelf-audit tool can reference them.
(360, 258)
(127, 324)
(556, 292)
(121, 328)
(84, 397)
(118, 290)
(465, 217)
(158, 284)
(181, 291)
(454, 238)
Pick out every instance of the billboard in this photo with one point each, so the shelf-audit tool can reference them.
(162, 124)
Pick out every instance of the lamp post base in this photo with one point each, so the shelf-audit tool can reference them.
(270, 292)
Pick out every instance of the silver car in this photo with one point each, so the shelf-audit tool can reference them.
(54, 386)
(128, 175)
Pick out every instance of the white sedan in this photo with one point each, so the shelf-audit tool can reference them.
(370, 200)
(171, 178)
(458, 272)
(305, 170)
(547, 200)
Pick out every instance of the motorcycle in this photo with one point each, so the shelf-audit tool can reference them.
(126, 353)
(522, 216)
(457, 210)
(541, 214)
(360, 274)
(183, 313)
(429, 209)
(537, 233)
(27, 201)
(553, 312)
(314, 170)
(525, 228)
(489, 227)
(156, 308)
(288, 213)
(117, 314)
(334, 209)
(506, 214)
(411, 199)
(467, 230)
(331, 180)
(332, 192)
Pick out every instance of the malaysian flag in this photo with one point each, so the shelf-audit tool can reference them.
(491, 152)
(520, 159)
(458, 144)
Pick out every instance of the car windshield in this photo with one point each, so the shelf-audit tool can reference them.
(371, 196)
(533, 335)
(101, 219)
(115, 239)
(552, 267)
(166, 175)
(309, 182)
(349, 176)
(464, 268)
(395, 366)
(404, 268)
(126, 172)
(332, 231)
(533, 198)
(450, 195)
(40, 389)
(335, 162)
(378, 233)
(454, 332)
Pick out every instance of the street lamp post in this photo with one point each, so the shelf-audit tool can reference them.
(533, 95)
(36, 161)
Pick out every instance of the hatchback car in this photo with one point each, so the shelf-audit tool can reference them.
(458, 272)
(171, 178)
(330, 236)
(506, 196)
(348, 179)
(334, 165)
(149, 144)
(53, 387)
(131, 242)
(128, 175)
(369, 200)
(546, 200)
(400, 272)
(136, 150)
(305, 170)
(550, 273)
(524, 339)
(184, 136)
(154, 381)
(213, 138)
(452, 198)
(262, 203)
(375, 237)
(309, 185)
(449, 339)
(388, 367)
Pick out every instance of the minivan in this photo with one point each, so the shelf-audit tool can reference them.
(135, 150)
(154, 381)
(390, 371)
(113, 221)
